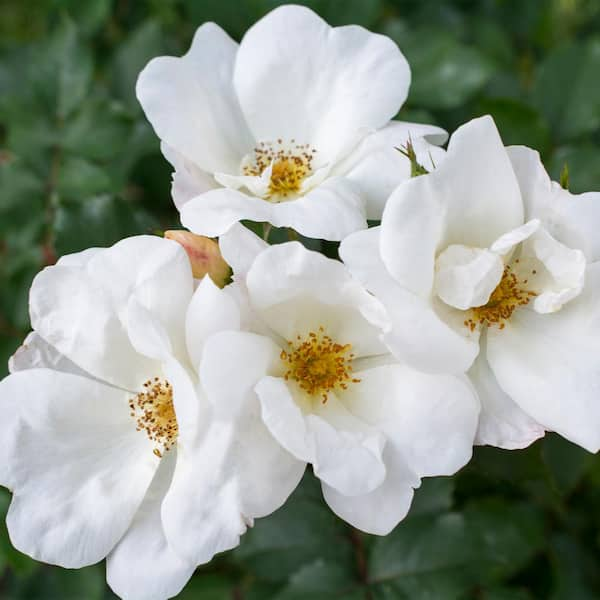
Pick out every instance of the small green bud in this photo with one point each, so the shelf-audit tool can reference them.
(564, 177)
(408, 150)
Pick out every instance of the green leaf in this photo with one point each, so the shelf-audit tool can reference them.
(320, 580)
(434, 495)
(21, 197)
(508, 535)
(517, 123)
(505, 593)
(237, 19)
(19, 563)
(445, 72)
(142, 44)
(97, 130)
(79, 179)
(350, 12)
(573, 567)
(62, 70)
(18, 267)
(299, 533)
(422, 546)
(207, 587)
(89, 15)
(584, 166)
(566, 462)
(8, 345)
(441, 585)
(235, 22)
(97, 221)
(488, 541)
(52, 583)
(567, 89)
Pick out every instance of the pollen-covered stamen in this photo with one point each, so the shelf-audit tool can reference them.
(318, 364)
(291, 164)
(510, 294)
(154, 413)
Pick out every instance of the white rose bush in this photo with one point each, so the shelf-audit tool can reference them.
(353, 310)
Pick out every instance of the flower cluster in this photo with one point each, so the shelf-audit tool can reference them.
(175, 389)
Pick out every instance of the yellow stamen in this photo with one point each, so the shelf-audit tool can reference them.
(318, 364)
(154, 413)
(291, 165)
(509, 294)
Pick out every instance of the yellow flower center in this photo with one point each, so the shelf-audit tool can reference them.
(154, 413)
(292, 163)
(509, 295)
(318, 364)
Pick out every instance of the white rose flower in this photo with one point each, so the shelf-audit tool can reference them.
(304, 344)
(486, 265)
(291, 127)
(110, 446)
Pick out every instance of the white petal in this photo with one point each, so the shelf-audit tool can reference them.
(36, 353)
(188, 400)
(143, 566)
(164, 286)
(430, 419)
(501, 422)
(231, 473)
(297, 291)
(414, 217)
(378, 167)
(211, 310)
(146, 333)
(481, 192)
(507, 241)
(549, 364)
(81, 311)
(257, 185)
(188, 180)
(431, 343)
(229, 468)
(471, 199)
(564, 268)
(78, 259)
(239, 247)
(570, 218)
(76, 316)
(348, 452)
(214, 212)
(360, 253)
(296, 77)
(284, 418)
(330, 211)
(259, 469)
(345, 453)
(379, 511)
(466, 276)
(191, 103)
(233, 363)
(77, 466)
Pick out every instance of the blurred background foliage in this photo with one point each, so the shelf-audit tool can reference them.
(80, 166)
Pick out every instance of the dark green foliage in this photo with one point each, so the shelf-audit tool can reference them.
(80, 166)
